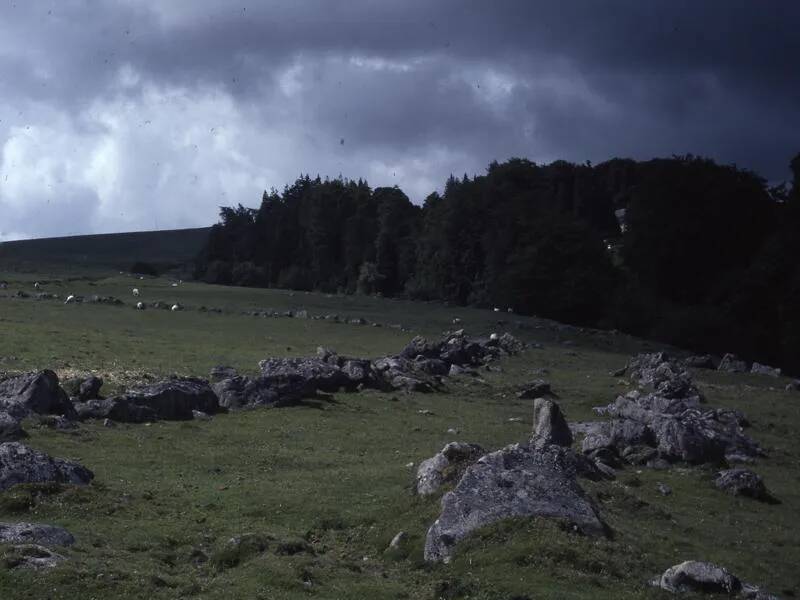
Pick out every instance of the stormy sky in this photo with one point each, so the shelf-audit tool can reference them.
(120, 115)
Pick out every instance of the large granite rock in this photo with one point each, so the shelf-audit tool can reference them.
(21, 464)
(38, 392)
(35, 533)
(517, 481)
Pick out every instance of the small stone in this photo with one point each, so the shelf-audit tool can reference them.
(664, 489)
(398, 540)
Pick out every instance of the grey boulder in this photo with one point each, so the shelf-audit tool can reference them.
(517, 481)
(21, 464)
(38, 392)
(742, 482)
(549, 425)
(316, 373)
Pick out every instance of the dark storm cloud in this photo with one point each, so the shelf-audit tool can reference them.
(152, 101)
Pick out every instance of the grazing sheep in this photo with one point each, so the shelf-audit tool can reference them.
(496, 309)
(174, 285)
(70, 299)
(136, 292)
(140, 306)
(456, 321)
(176, 307)
(494, 337)
(36, 285)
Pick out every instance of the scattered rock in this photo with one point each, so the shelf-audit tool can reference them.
(517, 481)
(664, 489)
(35, 533)
(732, 364)
(793, 386)
(707, 578)
(21, 464)
(445, 467)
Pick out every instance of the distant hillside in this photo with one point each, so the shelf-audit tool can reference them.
(164, 249)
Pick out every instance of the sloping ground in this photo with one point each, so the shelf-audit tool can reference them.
(302, 502)
(114, 250)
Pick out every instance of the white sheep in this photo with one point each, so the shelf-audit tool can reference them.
(496, 309)
(70, 299)
(36, 285)
(135, 292)
(140, 306)
(176, 307)
(456, 321)
(494, 337)
(174, 285)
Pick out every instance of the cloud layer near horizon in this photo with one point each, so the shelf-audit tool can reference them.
(120, 115)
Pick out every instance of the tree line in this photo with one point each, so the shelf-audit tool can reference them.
(680, 249)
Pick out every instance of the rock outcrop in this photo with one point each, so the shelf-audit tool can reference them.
(21, 464)
(668, 423)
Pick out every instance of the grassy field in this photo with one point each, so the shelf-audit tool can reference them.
(319, 490)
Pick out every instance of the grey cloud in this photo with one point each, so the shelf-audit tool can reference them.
(415, 89)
